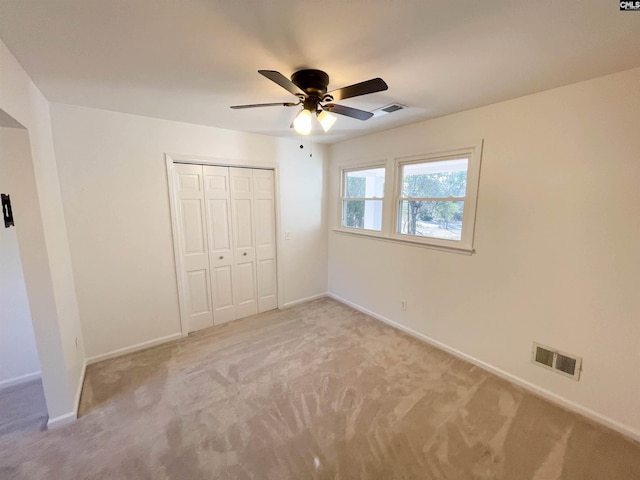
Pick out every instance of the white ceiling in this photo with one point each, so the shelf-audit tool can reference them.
(189, 60)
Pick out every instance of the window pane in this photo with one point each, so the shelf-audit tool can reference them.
(365, 183)
(365, 214)
(435, 179)
(434, 219)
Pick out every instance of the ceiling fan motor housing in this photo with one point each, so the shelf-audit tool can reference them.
(312, 82)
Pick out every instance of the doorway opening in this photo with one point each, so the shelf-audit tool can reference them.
(22, 400)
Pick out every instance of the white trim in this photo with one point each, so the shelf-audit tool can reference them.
(546, 394)
(18, 380)
(473, 153)
(173, 209)
(392, 196)
(61, 420)
(404, 241)
(364, 165)
(221, 162)
(132, 348)
(304, 300)
(279, 236)
(383, 164)
(83, 373)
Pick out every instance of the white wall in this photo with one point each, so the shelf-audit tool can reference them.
(303, 197)
(113, 178)
(556, 238)
(40, 228)
(18, 354)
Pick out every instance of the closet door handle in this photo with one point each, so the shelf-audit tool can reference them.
(221, 257)
(245, 254)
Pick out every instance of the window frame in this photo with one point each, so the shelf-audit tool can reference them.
(342, 197)
(393, 195)
(470, 199)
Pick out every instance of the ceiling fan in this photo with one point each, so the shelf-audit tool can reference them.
(310, 86)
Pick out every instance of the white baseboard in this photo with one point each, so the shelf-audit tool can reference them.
(18, 380)
(70, 417)
(303, 300)
(546, 394)
(61, 420)
(132, 348)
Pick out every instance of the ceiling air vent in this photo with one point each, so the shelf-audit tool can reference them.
(394, 107)
(552, 359)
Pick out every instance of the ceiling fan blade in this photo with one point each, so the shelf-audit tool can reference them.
(254, 105)
(283, 81)
(363, 88)
(347, 111)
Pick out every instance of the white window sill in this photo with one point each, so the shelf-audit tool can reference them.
(414, 243)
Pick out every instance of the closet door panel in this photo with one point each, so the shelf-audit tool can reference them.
(242, 221)
(221, 253)
(265, 224)
(265, 228)
(267, 286)
(223, 294)
(193, 246)
(193, 238)
(243, 218)
(246, 293)
(198, 288)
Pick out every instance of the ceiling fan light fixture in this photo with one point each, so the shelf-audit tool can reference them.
(326, 120)
(302, 122)
(309, 86)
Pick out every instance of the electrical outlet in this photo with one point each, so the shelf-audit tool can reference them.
(287, 235)
(403, 305)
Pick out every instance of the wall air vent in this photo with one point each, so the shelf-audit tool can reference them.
(394, 107)
(560, 362)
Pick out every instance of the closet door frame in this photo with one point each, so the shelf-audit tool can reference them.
(170, 160)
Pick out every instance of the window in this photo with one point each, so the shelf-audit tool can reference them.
(362, 197)
(434, 199)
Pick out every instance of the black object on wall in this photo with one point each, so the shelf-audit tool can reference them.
(6, 211)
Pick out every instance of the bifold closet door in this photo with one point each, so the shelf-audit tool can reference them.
(244, 249)
(226, 236)
(192, 234)
(265, 222)
(221, 251)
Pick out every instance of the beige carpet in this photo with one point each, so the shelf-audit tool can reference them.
(318, 391)
(23, 408)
